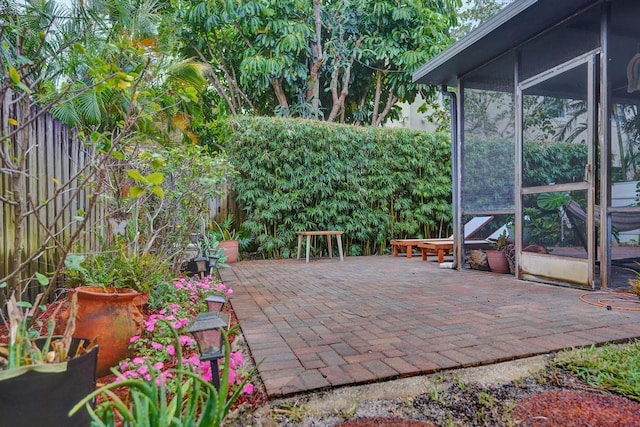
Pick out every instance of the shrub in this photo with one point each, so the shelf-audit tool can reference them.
(372, 183)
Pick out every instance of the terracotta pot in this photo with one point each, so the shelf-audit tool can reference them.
(230, 248)
(141, 299)
(111, 316)
(498, 261)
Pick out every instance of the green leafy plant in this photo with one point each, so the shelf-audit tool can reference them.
(501, 243)
(117, 268)
(635, 282)
(22, 349)
(150, 182)
(611, 367)
(208, 245)
(224, 230)
(373, 184)
(195, 403)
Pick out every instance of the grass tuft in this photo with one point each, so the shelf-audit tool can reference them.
(611, 367)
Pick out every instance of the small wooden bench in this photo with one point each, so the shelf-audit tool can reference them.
(338, 235)
(435, 247)
(405, 244)
(470, 228)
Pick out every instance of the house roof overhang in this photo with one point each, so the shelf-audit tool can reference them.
(515, 24)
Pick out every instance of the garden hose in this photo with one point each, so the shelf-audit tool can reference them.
(613, 300)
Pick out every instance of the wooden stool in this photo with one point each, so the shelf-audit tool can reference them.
(338, 235)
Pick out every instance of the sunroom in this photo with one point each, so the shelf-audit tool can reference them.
(546, 136)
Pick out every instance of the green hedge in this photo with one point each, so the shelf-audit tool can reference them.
(488, 171)
(373, 183)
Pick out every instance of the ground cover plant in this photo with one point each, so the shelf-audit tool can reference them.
(615, 368)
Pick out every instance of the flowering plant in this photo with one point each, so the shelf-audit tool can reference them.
(155, 349)
(194, 403)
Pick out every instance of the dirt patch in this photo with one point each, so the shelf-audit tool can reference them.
(384, 422)
(497, 395)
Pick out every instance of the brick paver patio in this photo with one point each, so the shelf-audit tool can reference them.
(330, 323)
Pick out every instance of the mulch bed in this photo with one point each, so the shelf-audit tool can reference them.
(576, 408)
(567, 408)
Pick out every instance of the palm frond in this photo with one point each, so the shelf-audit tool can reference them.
(190, 72)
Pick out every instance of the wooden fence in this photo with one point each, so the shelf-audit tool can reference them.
(54, 157)
(56, 162)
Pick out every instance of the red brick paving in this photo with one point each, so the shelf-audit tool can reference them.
(330, 323)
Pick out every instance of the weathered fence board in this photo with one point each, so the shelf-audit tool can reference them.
(55, 155)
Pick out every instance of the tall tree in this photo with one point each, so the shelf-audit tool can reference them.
(347, 61)
(474, 13)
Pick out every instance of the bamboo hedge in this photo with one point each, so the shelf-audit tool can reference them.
(374, 184)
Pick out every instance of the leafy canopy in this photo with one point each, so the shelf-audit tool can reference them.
(348, 61)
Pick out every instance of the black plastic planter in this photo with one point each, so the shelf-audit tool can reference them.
(43, 395)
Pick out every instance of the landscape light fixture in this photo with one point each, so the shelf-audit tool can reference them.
(215, 303)
(207, 331)
(213, 267)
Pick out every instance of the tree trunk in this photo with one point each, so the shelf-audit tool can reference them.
(313, 91)
(282, 97)
(391, 101)
(376, 102)
(338, 100)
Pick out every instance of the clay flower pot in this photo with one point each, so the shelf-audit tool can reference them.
(111, 316)
(230, 248)
(498, 261)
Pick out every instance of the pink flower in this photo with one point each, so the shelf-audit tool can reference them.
(179, 324)
(158, 366)
(144, 369)
(237, 359)
(150, 324)
(207, 376)
(194, 360)
(134, 338)
(139, 360)
(130, 374)
(186, 341)
(229, 292)
(248, 388)
(171, 350)
(157, 346)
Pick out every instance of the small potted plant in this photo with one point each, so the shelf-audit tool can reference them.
(41, 379)
(497, 257)
(106, 311)
(227, 238)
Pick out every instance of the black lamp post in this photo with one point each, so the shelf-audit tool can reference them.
(201, 266)
(213, 267)
(215, 303)
(207, 331)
